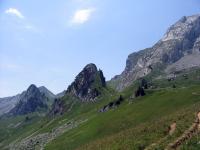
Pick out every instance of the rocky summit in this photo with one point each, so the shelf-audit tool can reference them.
(87, 86)
(88, 83)
(30, 101)
(179, 49)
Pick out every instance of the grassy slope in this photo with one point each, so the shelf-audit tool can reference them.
(118, 129)
(138, 123)
(192, 144)
(134, 124)
(10, 133)
(81, 110)
(39, 124)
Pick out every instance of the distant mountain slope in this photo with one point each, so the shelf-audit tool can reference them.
(30, 101)
(179, 49)
(61, 94)
(7, 103)
(47, 93)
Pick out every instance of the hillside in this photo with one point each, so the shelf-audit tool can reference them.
(138, 122)
(153, 105)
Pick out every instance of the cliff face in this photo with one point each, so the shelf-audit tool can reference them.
(87, 86)
(179, 49)
(88, 83)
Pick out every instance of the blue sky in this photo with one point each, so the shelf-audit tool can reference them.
(48, 42)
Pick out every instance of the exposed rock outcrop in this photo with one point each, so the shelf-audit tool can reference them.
(39, 140)
(174, 52)
(88, 84)
(57, 107)
(112, 105)
(139, 92)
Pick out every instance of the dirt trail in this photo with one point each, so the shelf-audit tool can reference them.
(170, 131)
(188, 134)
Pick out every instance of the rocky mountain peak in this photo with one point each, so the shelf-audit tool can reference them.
(88, 83)
(30, 101)
(179, 49)
(32, 89)
(9, 103)
(87, 86)
(186, 26)
(90, 68)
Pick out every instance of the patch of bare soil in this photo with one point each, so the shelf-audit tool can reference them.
(188, 134)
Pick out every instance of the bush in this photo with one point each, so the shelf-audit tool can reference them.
(139, 92)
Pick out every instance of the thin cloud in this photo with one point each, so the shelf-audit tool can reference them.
(29, 27)
(10, 67)
(32, 28)
(14, 12)
(81, 16)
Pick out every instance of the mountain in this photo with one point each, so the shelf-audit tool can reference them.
(87, 86)
(88, 83)
(178, 50)
(47, 93)
(8, 103)
(155, 112)
(31, 100)
(61, 94)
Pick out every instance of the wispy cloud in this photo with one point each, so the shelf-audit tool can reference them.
(29, 27)
(9, 66)
(32, 28)
(21, 24)
(81, 16)
(14, 12)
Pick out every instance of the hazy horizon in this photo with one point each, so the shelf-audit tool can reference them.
(48, 44)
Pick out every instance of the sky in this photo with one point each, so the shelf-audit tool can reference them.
(48, 43)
